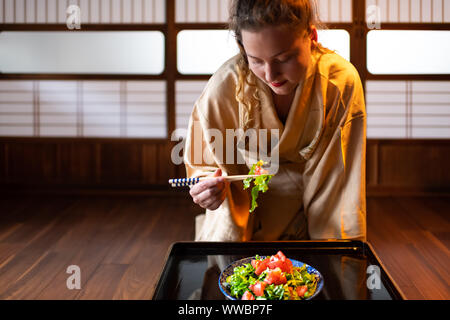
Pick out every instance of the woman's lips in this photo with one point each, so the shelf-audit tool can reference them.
(278, 84)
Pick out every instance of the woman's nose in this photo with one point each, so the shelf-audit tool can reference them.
(271, 73)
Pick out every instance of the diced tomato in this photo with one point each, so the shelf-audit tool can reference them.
(289, 267)
(301, 290)
(282, 278)
(285, 265)
(277, 264)
(271, 277)
(281, 256)
(258, 170)
(276, 277)
(247, 296)
(260, 265)
(258, 288)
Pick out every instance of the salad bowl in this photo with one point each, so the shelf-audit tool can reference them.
(229, 270)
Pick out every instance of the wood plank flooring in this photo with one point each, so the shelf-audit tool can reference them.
(120, 242)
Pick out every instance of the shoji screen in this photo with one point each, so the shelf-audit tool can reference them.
(409, 109)
(92, 11)
(119, 109)
(82, 108)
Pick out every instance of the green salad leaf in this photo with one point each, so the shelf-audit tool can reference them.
(260, 183)
(242, 277)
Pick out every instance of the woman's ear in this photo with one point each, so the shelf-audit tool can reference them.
(313, 36)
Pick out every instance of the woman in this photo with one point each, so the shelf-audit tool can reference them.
(283, 81)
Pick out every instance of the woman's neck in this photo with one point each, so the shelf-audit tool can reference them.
(282, 104)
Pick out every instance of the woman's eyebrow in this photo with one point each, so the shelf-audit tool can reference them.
(275, 55)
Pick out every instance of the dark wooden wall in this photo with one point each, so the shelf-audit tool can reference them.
(401, 166)
(408, 166)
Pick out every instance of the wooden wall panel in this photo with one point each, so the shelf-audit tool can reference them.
(77, 162)
(421, 165)
(150, 165)
(371, 164)
(3, 162)
(408, 166)
(121, 163)
(32, 163)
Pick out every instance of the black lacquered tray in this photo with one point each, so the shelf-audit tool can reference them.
(351, 270)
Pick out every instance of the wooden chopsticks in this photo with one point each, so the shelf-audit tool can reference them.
(182, 182)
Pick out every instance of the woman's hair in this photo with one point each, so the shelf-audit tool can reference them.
(253, 15)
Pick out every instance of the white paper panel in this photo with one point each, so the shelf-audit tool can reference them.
(101, 131)
(60, 107)
(137, 12)
(413, 11)
(105, 13)
(127, 12)
(16, 131)
(16, 85)
(446, 10)
(65, 119)
(404, 11)
(424, 113)
(52, 12)
(19, 11)
(16, 96)
(57, 131)
(201, 11)
(83, 108)
(16, 119)
(386, 133)
(16, 108)
(426, 10)
(204, 51)
(9, 11)
(437, 11)
(386, 52)
(92, 11)
(116, 11)
(187, 92)
(1, 11)
(149, 11)
(335, 10)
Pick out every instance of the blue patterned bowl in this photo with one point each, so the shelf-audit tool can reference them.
(228, 271)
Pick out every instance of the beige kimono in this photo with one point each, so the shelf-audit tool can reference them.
(319, 189)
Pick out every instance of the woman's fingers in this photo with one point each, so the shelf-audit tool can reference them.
(207, 184)
(212, 203)
(209, 194)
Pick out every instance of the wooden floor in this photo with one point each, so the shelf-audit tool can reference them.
(120, 242)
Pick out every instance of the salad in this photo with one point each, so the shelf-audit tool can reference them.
(260, 182)
(271, 278)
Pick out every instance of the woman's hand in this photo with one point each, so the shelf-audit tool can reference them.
(210, 193)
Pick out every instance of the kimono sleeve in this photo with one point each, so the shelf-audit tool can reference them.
(198, 159)
(202, 157)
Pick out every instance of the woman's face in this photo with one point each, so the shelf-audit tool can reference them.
(277, 56)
